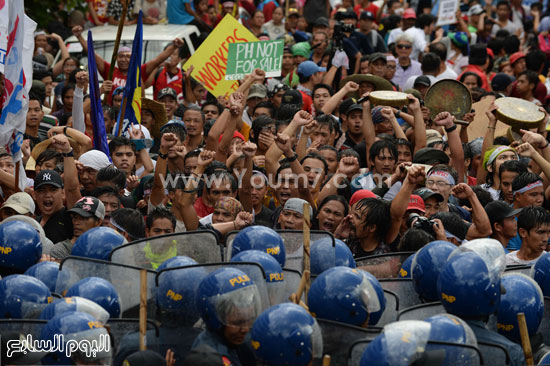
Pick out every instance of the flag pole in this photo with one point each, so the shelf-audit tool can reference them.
(117, 40)
(17, 167)
(121, 119)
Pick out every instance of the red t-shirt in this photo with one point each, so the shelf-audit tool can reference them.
(119, 78)
(307, 102)
(161, 82)
(372, 8)
(201, 209)
(472, 181)
(100, 7)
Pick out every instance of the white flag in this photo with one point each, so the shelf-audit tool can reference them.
(15, 99)
(28, 50)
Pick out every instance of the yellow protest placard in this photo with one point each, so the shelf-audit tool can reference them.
(210, 60)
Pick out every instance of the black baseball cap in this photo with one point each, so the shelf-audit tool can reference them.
(427, 193)
(321, 22)
(354, 107)
(292, 97)
(367, 15)
(89, 207)
(346, 103)
(377, 56)
(500, 210)
(168, 92)
(430, 156)
(48, 177)
(501, 81)
(422, 80)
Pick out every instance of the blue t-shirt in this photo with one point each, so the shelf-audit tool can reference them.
(515, 242)
(175, 9)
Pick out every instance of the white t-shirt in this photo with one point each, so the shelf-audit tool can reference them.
(409, 84)
(447, 74)
(513, 260)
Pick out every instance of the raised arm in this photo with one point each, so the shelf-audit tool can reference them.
(301, 147)
(77, 32)
(84, 141)
(387, 113)
(58, 68)
(334, 101)
(446, 120)
(399, 204)
(368, 125)
(136, 136)
(235, 110)
(481, 226)
(527, 150)
(154, 63)
(167, 141)
(488, 140)
(78, 103)
(249, 150)
(347, 168)
(419, 126)
(70, 176)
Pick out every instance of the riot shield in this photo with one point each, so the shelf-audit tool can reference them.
(119, 328)
(383, 265)
(421, 311)
(253, 270)
(292, 282)
(544, 327)
(337, 337)
(28, 329)
(124, 278)
(493, 354)
(472, 356)
(404, 289)
(526, 270)
(149, 253)
(392, 307)
(294, 246)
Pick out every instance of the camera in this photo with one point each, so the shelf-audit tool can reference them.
(420, 222)
(339, 29)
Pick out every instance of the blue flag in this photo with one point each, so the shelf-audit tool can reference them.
(98, 122)
(132, 90)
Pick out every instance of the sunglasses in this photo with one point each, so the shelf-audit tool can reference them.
(404, 46)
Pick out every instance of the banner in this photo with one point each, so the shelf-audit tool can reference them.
(15, 99)
(28, 50)
(4, 19)
(447, 11)
(243, 58)
(132, 90)
(210, 60)
(98, 120)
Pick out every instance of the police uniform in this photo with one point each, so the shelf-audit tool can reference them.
(485, 335)
(238, 356)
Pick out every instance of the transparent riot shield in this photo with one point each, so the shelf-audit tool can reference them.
(202, 246)
(383, 265)
(125, 279)
(23, 329)
(445, 353)
(294, 246)
(421, 311)
(121, 328)
(544, 327)
(392, 308)
(292, 282)
(404, 289)
(337, 337)
(493, 354)
(253, 270)
(526, 270)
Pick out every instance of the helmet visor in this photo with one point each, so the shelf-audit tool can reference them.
(239, 308)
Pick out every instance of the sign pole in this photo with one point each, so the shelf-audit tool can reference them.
(143, 311)
(306, 248)
(525, 342)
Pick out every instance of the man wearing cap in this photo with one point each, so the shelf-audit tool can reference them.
(502, 84)
(291, 26)
(49, 197)
(169, 98)
(367, 27)
(91, 162)
(431, 199)
(86, 214)
(517, 61)
(309, 74)
(503, 221)
(473, 17)
(123, 60)
(292, 215)
(354, 123)
(19, 203)
(377, 64)
(170, 75)
(257, 94)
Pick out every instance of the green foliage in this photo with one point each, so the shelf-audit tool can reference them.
(46, 11)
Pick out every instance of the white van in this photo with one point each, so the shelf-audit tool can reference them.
(155, 38)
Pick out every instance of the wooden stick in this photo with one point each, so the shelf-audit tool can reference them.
(287, 7)
(301, 286)
(305, 229)
(143, 311)
(326, 360)
(121, 22)
(17, 167)
(525, 342)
